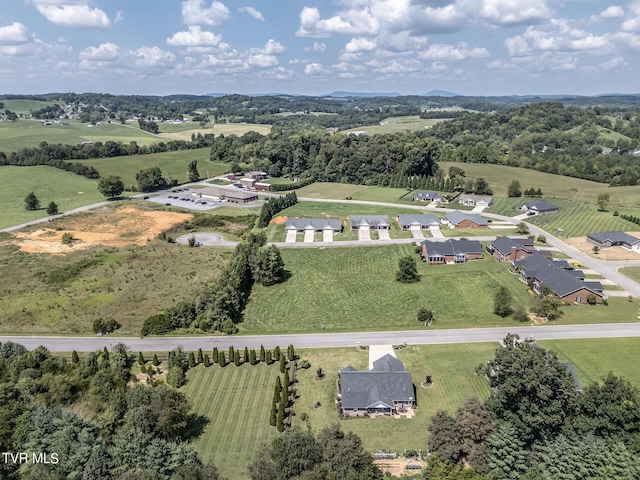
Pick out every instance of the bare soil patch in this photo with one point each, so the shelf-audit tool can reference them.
(115, 228)
(611, 253)
(279, 220)
(396, 466)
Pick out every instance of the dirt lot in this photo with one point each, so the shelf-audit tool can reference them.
(116, 228)
(611, 253)
(279, 220)
(396, 467)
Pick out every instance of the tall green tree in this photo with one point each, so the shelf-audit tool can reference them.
(31, 202)
(514, 189)
(111, 186)
(52, 208)
(502, 301)
(508, 455)
(603, 201)
(407, 270)
(192, 171)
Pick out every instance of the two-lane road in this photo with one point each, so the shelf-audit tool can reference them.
(327, 340)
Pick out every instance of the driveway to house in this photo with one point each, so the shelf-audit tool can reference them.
(383, 234)
(425, 336)
(309, 234)
(478, 209)
(327, 235)
(291, 236)
(436, 233)
(364, 234)
(416, 232)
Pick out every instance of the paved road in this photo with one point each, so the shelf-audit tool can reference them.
(425, 336)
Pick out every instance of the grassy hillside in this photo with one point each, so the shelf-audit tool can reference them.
(398, 124)
(171, 163)
(49, 184)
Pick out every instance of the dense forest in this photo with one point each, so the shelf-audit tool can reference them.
(535, 425)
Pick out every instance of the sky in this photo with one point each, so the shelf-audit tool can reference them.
(315, 47)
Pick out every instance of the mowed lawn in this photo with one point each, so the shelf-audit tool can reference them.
(171, 163)
(454, 381)
(354, 289)
(66, 189)
(595, 358)
(236, 401)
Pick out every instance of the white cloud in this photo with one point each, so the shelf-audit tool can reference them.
(511, 12)
(558, 36)
(319, 47)
(103, 53)
(195, 13)
(613, 11)
(263, 61)
(615, 62)
(14, 34)
(350, 22)
(253, 12)
(195, 37)
(152, 57)
(314, 69)
(74, 15)
(450, 52)
(360, 44)
(273, 47)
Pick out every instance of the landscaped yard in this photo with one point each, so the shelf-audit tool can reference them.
(236, 401)
(454, 381)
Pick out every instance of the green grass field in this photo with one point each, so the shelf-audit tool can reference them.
(171, 163)
(632, 272)
(24, 106)
(30, 133)
(184, 131)
(236, 401)
(553, 186)
(66, 189)
(398, 124)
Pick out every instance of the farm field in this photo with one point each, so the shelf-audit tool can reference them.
(25, 106)
(354, 289)
(397, 124)
(553, 186)
(171, 163)
(30, 133)
(184, 131)
(66, 189)
(127, 280)
(235, 403)
(454, 381)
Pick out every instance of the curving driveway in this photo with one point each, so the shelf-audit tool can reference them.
(206, 240)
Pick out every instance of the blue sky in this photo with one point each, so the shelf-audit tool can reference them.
(471, 47)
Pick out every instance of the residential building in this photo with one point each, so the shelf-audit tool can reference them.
(374, 222)
(539, 207)
(300, 225)
(422, 196)
(408, 221)
(614, 239)
(450, 251)
(507, 249)
(458, 219)
(475, 200)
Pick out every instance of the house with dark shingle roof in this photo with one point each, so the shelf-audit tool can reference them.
(566, 282)
(406, 221)
(374, 222)
(385, 389)
(300, 225)
(614, 239)
(422, 196)
(450, 251)
(458, 219)
(507, 249)
(540, 207)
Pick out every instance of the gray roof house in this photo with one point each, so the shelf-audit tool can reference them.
(450, 251)
(315, 224)
(565, 282)
(475, 200)
(385, 389)
(422, 196)
(458, 219)
(540, 207)
(409, 220)
(509, 249)
(376, 222)
(614, 239)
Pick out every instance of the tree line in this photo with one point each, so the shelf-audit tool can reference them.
(218, 306)
(536, 426)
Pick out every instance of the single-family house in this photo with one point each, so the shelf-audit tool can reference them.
(458, 219)
(450, 251)
(614, 239)
(507, 249)
(475, 200)
(386, 389)
(422, 196)
(539, 207)
(374, 222)
(301, 225)
(566, 282)
(232, 195)
(256, 175)
(408, 221)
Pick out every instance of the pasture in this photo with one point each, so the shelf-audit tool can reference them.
(30, 133)
(454, 381)
(173, 164)
(184, 131)
(25, 106)
(553, 186)
(49, 184)
(407, 123)
(234, 403)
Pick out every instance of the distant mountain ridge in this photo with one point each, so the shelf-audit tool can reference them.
(440, 93)
(340, 94)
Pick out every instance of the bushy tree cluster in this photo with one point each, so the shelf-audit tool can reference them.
(274, 206)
